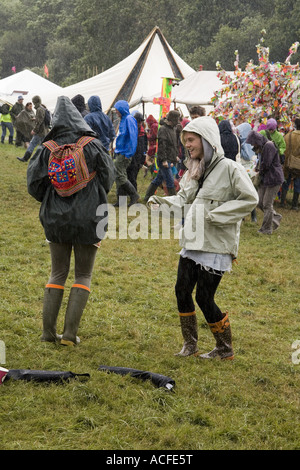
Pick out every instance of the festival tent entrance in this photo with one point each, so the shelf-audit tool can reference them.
(140, 74)
(28, 84)
(197, 89)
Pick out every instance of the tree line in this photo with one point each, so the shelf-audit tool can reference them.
(80, 38)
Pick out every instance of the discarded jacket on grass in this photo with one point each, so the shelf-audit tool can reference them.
(157, 379)
(42, 375)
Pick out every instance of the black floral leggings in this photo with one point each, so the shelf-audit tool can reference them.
(189, 275)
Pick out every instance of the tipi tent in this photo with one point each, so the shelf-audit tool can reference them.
(140, 74)
(28, 84)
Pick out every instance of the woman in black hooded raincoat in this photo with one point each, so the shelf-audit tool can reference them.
(69, 222)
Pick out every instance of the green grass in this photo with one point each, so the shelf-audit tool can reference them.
(131, 320)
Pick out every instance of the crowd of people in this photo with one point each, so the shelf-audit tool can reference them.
(157, 147)
(229, 169)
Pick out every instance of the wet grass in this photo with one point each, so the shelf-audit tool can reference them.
(131, 320)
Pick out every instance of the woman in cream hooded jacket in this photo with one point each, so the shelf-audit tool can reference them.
(214, 205)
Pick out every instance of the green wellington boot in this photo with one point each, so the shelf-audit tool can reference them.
(150, 191)
(52, 302)
(77, 301)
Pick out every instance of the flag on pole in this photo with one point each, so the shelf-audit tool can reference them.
(46, 71)
(165, 102)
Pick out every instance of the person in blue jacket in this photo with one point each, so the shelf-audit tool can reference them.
(100, 122)
(126, 144)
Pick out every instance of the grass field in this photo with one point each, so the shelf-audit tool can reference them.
(131, 320)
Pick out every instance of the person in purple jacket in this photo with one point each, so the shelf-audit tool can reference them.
(271, 178)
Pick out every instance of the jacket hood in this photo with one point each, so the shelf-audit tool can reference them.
(36, 100)
(206, 127)
(123, 107)
(67, 119)
(151, 120)
(94, 104)
(225, 127)
(79, 102)
(256, 139)
(244, 130)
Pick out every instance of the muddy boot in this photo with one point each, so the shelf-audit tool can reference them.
(26, 157)
(171, 191)
(253, 216)
(52, 302)
(150, 191)
(295, 201)
(283, 197)
(222, 334)
(128, 189)
(189, 329)
(117, 204)
(76, 304)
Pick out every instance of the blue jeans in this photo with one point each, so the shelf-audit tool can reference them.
(10, 127)
(164, 174)
(35, 141)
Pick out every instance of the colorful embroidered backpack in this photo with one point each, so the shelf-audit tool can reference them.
(67, 168)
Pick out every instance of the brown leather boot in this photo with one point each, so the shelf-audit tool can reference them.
(189, 329)
(222, 334)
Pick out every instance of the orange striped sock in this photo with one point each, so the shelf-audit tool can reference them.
(54, 286)
(82, 286)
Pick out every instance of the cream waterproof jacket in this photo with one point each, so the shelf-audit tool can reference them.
(213, 214)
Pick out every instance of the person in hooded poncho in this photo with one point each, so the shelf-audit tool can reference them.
(126, 145)
(25, 122)
(39, 131)
(100, 122)
(69, 222)
(216, 194)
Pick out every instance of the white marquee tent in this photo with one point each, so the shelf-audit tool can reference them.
(28, 84)
(140, 74)
(197, 89)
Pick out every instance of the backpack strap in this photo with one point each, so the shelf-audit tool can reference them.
(84, 140)
(51, 145)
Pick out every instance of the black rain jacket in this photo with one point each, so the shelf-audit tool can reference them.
(71, 219)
